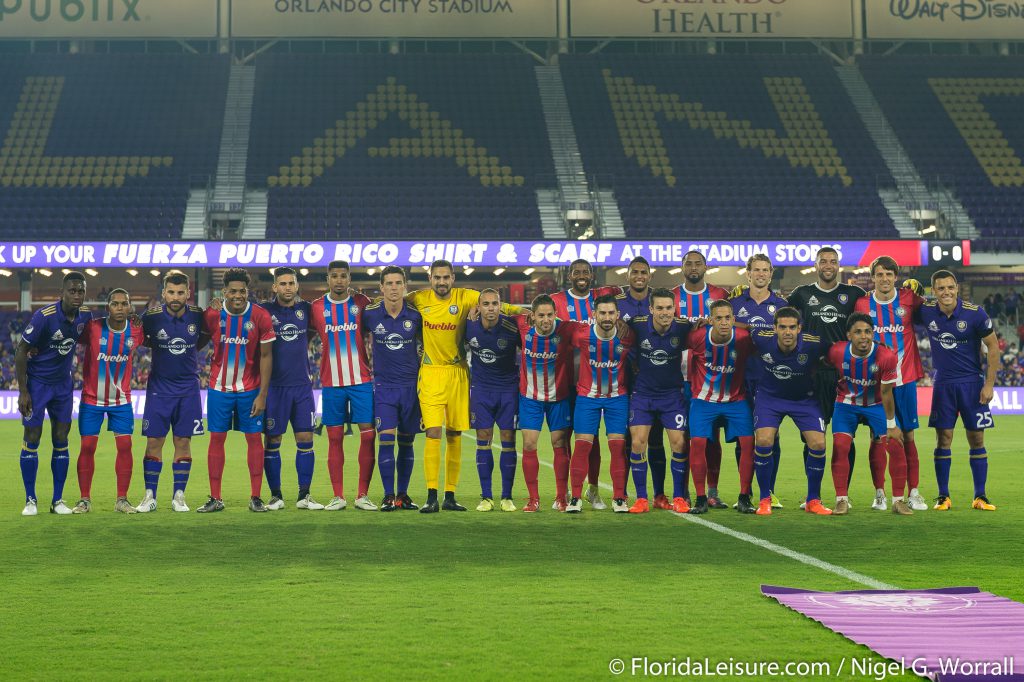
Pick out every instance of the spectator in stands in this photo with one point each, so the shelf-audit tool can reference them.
(1011, 303)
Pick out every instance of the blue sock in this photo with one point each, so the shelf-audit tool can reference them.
(638, 466)
(763, 470)
(814, 467)
(656, 459)
(406, 459)
(943, 460)
(59, 467)
(305, 461)
(979, 470)
(386, 461)
(680, 470)
(29, 468)
(484, 466)
(272, 467)
(151, 469)
(181, 469)
(507, 464)
(776, 458)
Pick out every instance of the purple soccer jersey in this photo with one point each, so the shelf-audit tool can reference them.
(956, 340)
(291, 349)
(757, 317)
(630, 308)
(788, 376)
(493, 353)
(175, 344)
(397, 343)
(658, 357)
(54, 337)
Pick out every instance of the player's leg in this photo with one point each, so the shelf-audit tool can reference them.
(252, 428)
(152, 462)
(877, 460)
(764, 437)
(585, 420)
(29, 461)
(187, 423)
(456, 421)
(616, 423)
(385, 412)
(432, 398)
(303, 420)
(701, 421)
(943, 418)
(713, 457)
(279, 410)
(658, 462)
(814, 469)
(361, 413)
(220, 418)
(508, 461)
(680, 467)
(905, 399)
(739, 425)
(531, 463)
(976, 417)
(484, 461)
(272, 469)
(559, 419)
(121, 420)
(409, 424)
(641, 419)
(844, 428)
(875, 417)
(60, 460)
(335, 412)
(90, 419)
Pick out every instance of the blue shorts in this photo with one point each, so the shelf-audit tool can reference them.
(586, 416)
(348, 404)
(952, 400)
(905, 397)
(488, 407)
(289, 404)
(533, 412)
(183, 414)
(53, 399)
(769, 412)
(669, 411)
(230, 412)
(397, 408)
(120, 419)
(845, 418)
(735, 415)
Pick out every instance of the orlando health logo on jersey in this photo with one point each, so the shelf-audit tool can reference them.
(343, 360)
(237, 341)
(603, 372)
(717, 370)
(861, 378)
(107, 364)
(893, 322)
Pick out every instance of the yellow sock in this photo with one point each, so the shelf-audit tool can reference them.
(432, 461)
(452, 462)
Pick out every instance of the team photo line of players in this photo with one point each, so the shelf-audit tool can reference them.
(686, 364)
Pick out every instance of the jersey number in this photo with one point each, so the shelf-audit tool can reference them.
(984, 420)
(197, 428)
(680, 421)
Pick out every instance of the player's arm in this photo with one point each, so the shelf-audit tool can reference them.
(266, 369)
(992, 353)
(21, 373)
(889, 404)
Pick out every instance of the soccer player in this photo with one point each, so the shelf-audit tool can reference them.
(347, 392)
(892, 311)
(957, 330)
(109, 346)
(396, 336)
(443, 384)
(175, 332)
(45, 385)
(718, 356)
(693, 302)
(601, 390)
(658, 398)
(545, 389)
(867, 374)
(824, 306)
(290, 397)
(493, 344)
(577, 304)
(788, 359)
(239, 381)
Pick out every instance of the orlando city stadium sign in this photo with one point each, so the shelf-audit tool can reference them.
(484, 253)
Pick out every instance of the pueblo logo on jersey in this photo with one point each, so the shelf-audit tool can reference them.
(350, 327)
(103, 357)
(441, 327)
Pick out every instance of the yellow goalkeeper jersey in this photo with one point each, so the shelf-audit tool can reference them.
(444, 323)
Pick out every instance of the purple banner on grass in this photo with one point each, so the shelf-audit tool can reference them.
(953, 633)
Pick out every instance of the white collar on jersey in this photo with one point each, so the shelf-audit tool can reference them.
(895, 296)
(732, 335)
(684, 290)
(327, 297)
(579, 298)
(826, 291)
(248, 305)
(870, 351)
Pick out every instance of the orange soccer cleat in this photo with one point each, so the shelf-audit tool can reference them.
(640, 506)
(765, 507)
(816, 507)
(680, 505)
(532, 505)
(661, 502)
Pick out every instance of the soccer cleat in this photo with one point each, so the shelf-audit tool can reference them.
(680, 505)
(31, 508)
(593, 496)
(450, 504)
(148, 503)
(403, 501)
(716, 503)
(842, 507)
(336, 504)
(943, 503)
(574, 506)
(214, 504)
(701, 506)
(744, 505)
(83, 506)
(124, 506)
(486, 504)
(776, 502)
(880, 501)
(901, 507)
(764, 508)
(816, 507)
(640, 506)
(507, 505)
(917, 502)
(388, 504)
(178, 502)
(60, 507)
(275, 504)
(256, 505)
(661, 502)
(559, 504)
(981, 502)
(430, 507)
(619, 505)
(363, 502)
(532, 505)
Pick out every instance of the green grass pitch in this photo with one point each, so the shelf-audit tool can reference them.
(458, 596)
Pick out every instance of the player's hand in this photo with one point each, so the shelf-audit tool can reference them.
(135, 320)
(737, 291)
(621, 327)
(259, 405)
(25, 403)
(474, 313)
(895, 434)
(914, 285)
(216, 303)
(987, 393)
(701, 322)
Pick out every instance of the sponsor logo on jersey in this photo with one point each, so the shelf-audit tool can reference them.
(289, 332)
(932, 326)
(350, 327)
(890, 329)
(828, 314)
(813, 300)
(767, 357)
(947, 341)
(487, 355)
(861, 382)
(782, 372)
(162, 335)
(742, 313)
(540, 356)
(608, 364)
(65, 346)
(103, 357)
(441, 327)
(645, 344)
(379, 329)
(235, 341)
(58, 336)
(658, 357)
(177, 345)
(722, 369)
(394, 341)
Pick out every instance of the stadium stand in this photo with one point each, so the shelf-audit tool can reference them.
(738, 147)
(104, 146)
(960, 117)
(388, 147)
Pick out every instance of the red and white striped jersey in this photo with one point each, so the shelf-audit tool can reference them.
(695, 305)
(894, 327)
(717, 370)
(107, 364)
(545, 367)
(343, 360)
(573, 308)
(237, 342)
(604, 365)
(861, 378)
